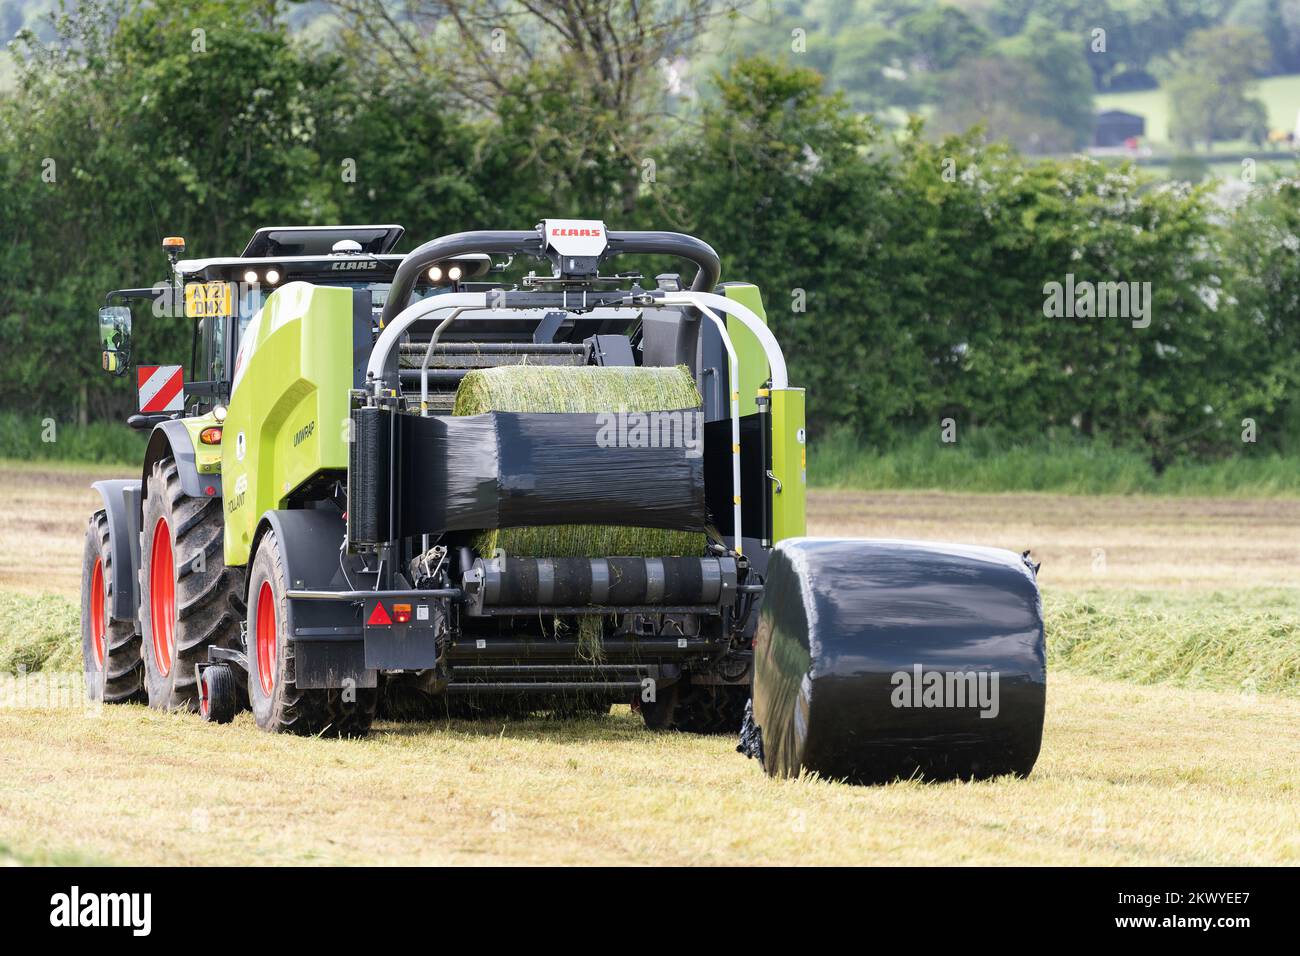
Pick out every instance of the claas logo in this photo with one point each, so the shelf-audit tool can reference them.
(572, 231)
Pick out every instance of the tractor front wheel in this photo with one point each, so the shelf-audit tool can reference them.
(278, 704)
(189, 600)
(110, 649)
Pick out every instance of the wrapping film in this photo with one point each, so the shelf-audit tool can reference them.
(512, 469)
(879, 660)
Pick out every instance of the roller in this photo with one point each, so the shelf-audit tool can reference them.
(612, 582)
(877, 660)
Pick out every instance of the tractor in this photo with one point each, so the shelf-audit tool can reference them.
(433, 484)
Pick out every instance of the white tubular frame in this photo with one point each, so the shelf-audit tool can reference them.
(394, 330)
(705, 302)
(428, 355)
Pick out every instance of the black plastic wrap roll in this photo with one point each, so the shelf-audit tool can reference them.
(879, 660)
(514, 470)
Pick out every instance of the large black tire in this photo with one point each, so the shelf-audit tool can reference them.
(189, 599)
(110, 649)
(277, 703)
(697, 708)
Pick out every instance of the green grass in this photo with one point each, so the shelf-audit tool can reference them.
(1243, 640)
(1279, 94)
(35, 438)
(988, 462)
(39, 633)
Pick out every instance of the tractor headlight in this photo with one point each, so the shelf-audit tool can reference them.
(272, 276)
(435, 274)
(219, 413)
(250, 277)
(454, 273)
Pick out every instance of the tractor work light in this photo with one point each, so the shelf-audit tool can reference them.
(272, 276)
(250, 277)
(435, 274)
(454, 273)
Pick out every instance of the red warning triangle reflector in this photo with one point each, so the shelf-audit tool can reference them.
(379, 616)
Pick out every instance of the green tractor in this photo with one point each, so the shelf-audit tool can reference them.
(427, 484)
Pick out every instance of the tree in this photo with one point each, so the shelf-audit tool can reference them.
(591, 74)
(944, 36)
(1002, 95)
(1209, 89)
(872, 65)
(127, 126)
(1064, 91)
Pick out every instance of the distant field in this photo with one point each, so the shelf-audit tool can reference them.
(1280, 95)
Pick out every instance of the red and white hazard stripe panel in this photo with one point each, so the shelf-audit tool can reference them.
(162, 388)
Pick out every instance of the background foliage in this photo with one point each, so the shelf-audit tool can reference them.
(903, 269)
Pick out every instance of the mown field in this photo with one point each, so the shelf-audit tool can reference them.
(1173, 726)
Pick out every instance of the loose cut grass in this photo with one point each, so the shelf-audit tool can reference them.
(1247, 641)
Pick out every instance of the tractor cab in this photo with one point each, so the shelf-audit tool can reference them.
(222, 295)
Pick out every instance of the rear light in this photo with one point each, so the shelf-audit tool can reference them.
(401, 613)
(210, 436)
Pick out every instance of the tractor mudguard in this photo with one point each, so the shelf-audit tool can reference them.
(328, 638)
(880, 660)
(173, 439)
(121, 497)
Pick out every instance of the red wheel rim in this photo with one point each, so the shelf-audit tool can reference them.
(204, 704)
(97, 612)
(266, 642)
(162, 597)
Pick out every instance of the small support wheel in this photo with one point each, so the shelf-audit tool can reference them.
(218, 694)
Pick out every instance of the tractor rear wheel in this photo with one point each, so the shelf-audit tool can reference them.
(189, 599)
(278, 705)
(110, 649)
(697, 708)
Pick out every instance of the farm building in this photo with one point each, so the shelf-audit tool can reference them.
(1114, 127)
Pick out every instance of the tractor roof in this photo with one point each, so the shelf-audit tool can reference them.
(339, 264)
(283, 241)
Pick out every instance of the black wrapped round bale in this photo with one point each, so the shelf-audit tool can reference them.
(879, 660)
